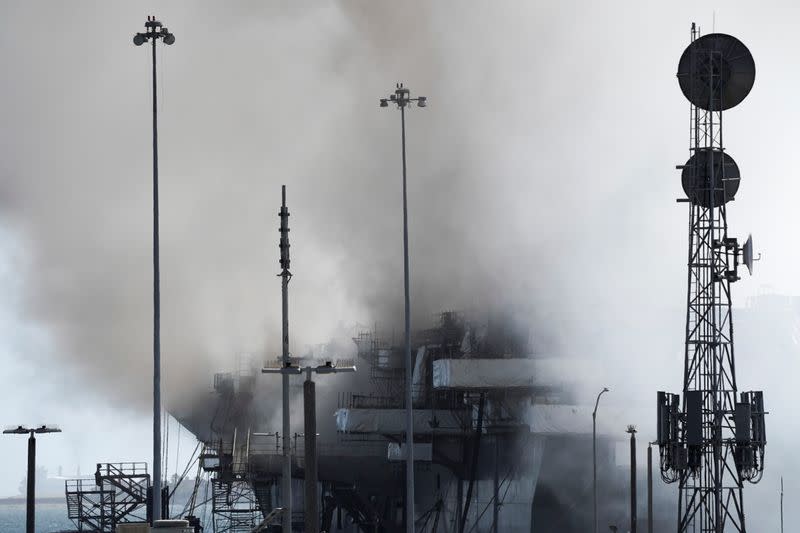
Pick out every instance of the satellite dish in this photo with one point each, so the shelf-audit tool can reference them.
(716, 72)
(696, 177)
(747, 254)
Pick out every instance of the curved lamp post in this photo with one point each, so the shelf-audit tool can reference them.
(594, 457)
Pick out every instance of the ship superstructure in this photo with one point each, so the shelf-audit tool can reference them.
(499, 440)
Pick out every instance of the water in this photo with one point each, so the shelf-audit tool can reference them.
(49, 517)
(52, 517)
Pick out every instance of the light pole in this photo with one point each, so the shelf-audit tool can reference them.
(154, 32)
(594, 457)
(30, 501)
(402, 98)
(632, 430)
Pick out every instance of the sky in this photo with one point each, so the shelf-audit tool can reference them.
(542, 171)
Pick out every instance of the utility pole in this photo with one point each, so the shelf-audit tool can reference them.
(30, 499)
(594, 457)
(155, 31)
(311, 514)
(632, 430)
(402, 98)
(650, 487)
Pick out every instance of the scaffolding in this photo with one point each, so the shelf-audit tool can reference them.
(118, 494)
(234, 506)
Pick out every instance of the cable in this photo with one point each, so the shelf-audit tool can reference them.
(197, 479)
(178, 449)
(192, 459)
(165, 462)
(508, 486)
(474, 466)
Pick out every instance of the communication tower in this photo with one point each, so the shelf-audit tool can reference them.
(712, 440)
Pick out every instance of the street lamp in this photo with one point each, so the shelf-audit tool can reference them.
(30, 500)
(154, 32)
(594, 457)
(402, 98)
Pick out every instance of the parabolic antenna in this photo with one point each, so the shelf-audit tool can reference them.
(716, 72)
(747, 254)
(696, 177)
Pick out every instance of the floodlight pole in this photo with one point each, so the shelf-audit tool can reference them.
(402, 97)
(594, 456)
(30, 498)
(154, 32)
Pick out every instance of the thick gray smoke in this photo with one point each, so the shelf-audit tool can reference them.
(497, 196)
(539, 175)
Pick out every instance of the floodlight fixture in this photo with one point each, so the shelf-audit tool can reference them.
(330, 368)
(47, 428)
(402, 97)
(288, 369)
(22, 430)
(155, 30)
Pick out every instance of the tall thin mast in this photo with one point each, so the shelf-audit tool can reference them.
(286, 275)
(155, 31)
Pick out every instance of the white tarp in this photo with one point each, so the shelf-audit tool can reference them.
(577, 419)
(497, 373)
(423, 451)
(393, 421)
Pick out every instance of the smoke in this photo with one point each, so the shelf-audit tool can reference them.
(289, 96)
(539, 176)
